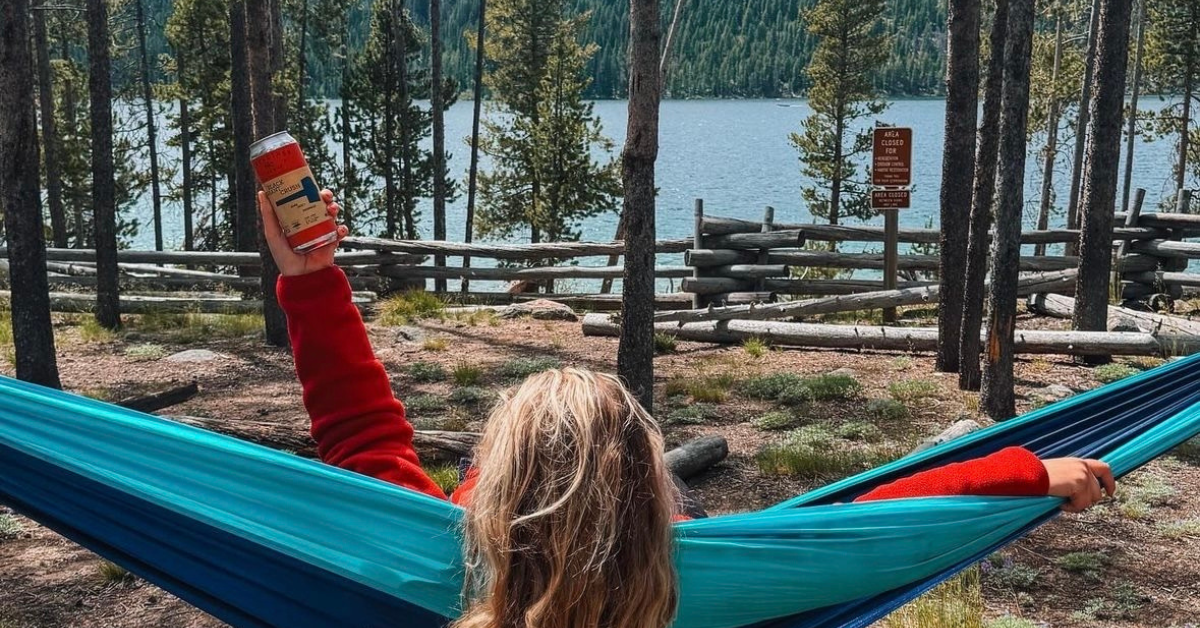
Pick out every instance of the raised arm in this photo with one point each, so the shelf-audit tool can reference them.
(356, 420)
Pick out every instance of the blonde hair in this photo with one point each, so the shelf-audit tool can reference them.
(569, 524)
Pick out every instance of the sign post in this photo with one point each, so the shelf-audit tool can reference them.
(891, 178)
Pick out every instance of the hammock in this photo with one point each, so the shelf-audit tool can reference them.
(261, 538)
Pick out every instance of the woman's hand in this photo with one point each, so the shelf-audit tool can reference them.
(1079, 482)
(291, 263)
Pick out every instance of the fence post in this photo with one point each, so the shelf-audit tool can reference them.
(764, 254)
(1183, 201)
(891, 245)
(697, 244)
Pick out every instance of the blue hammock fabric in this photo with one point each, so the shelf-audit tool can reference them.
(258, 537)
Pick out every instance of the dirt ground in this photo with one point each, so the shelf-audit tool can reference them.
(1131, 562)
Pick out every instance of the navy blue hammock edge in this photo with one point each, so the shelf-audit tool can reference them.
(258, 537)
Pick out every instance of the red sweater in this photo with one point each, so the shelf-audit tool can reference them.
(359, 424)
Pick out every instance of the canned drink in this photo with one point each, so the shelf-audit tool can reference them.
(288, 182)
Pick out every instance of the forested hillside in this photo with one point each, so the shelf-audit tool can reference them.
(723, 50)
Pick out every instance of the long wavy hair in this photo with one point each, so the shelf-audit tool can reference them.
(569, 524)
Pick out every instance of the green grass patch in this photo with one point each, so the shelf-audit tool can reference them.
(113, 574)
(913, 390)
(1009, 621)
(1122, 603)
(424, 404)
(467, 374)
(777, 420)
(957, 603)
(692, 414)
(188, 328)
(1143, 493)
(1116, 371)
(414, 305)
(887, 410)
(9, 527)
(701, 389)
(815, 453)
(146, 352)
(437, 343)
(1189, 451)
(755, 347)
(1008, 574)
(1181, 528)
(772, 387)
(92, 331)
(426, 372)
(470, 396)
(858, 431)
(664, 343)
(445, 476)
(1090, 564)
(517, 369)
(6, 335)
(790, 389)
(831, 387)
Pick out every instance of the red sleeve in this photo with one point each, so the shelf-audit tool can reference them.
(1012, 472)
(356, 420)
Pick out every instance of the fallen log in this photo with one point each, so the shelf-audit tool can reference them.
(522, 274)
(1064, 307)
(163, 399)
(765, 240)
(958, 430)
(721, 227)
(1061, 281)
(1167, 248)
(1158, 278)
(708, 258)
(1165, 220)
(911, 339)
(692, 457)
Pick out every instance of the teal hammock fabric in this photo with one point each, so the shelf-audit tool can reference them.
(262, 538)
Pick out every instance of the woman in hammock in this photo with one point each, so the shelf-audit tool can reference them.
(569, 505)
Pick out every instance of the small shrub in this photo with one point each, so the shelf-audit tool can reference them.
(887, 410)
(755, 347)
(1008, 574)
(470, 396)
(772, 387)
(445, 476)
(518, 369)
(424, 404)
(99, 394)
(1089, 564)
(1172, 530)
(912, 390)
(664, 343)
(776, 420)
(9, 527)
(1009, 621)
(145, 352)
(902, 363)
(437, 343)
(1142, 493)
(702, 389)
(467, 374)
(112, 573)
(859, 430)
(1123, 602)
(1109, 373)
(693, 414)
(956, 603)
(812, 452)
(6, 336)
(411, 306)
(426, 372)
(92, 331)
(1189, 451)
(831, 387)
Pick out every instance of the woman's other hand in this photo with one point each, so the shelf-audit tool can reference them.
(1082, 483)
(291, 263)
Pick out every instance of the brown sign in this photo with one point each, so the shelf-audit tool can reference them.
(891, 163)
(891, 199)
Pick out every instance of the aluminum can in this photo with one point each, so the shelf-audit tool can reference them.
(284, 175)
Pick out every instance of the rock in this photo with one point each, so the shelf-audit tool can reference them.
(961, 428)
(1053, 391)
(193, 355)
(408, 333)
(540, 309)
(845, 372)
(1122, 323)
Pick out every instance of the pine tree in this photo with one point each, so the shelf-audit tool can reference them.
(850, 50)
(387, 80)
(543, 174)
(108, 309)
(1173, 67)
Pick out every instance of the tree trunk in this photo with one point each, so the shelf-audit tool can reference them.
(246, 228)
(408, 196)
(439, 133)
(151, 126)
(997, 399)
(347, 216)
(1051, 153)
(260, 33)
(958, 173)
(1131, 129)
(1185, 120)
(58, 220)
(982, 196)
(635, 353)
(108, 308)
(185, 156)
(389, 123)
(1100, 175)
(301, 60)
(1081, 124)
(20, 198)
(672, 34)
(478, 103)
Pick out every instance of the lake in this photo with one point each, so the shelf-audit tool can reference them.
(735, 155)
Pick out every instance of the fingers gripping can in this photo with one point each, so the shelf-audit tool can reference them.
(288, 182)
